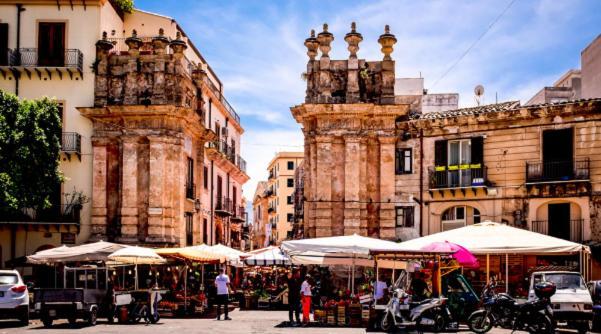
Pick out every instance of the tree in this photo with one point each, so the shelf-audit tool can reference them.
(30, 142)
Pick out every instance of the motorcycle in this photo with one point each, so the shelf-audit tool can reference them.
(430, 314)
(501, 310)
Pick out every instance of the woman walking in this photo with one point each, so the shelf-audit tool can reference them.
(306, 298)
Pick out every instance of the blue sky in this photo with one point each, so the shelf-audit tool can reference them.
(256, 48)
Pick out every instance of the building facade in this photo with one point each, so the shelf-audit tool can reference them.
(158, 105)
(261, 231)
(376, 166)
(280, 195)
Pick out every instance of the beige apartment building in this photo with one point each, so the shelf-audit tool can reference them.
(280, 196)
(260, 233)
(377, 165)
(63, 49)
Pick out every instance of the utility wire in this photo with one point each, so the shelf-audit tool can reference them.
(474, 43)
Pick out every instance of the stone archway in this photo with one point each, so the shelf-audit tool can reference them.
(563, 218)
(458, 215)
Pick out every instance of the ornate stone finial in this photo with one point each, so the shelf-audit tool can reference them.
(387, 40)
(312, 44)
(178, 45)
(103, 44)
(325, 38)
(134, 43)
(353, 39)
(160, 42)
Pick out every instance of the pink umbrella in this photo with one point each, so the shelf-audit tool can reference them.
(460, 253)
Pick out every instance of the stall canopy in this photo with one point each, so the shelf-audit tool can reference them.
(98, 251)
(191, 254)
(233, 256)
(494, 238)
(270, 256)
(136, 255)
(342, 250)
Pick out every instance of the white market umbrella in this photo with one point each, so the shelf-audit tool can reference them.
(270, 256)
(136, 255)
(97, 251)
(233, 256)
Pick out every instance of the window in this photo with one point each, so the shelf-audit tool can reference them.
(404, 216)
(189, 227)
(289, 217)
(459, 216)
(205, 177)
(3, 44)
(205, 231)
(290, 183)
(458, 163)
(290, 165)
(289, 199)
(403, 161)
(190, 193)
(51, 44)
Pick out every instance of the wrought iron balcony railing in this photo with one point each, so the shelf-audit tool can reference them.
(71, 142)
(548, 171)
(229, 153)
(31, 57)
(460, 176)
(224, 205)
(576, 229)
(228, 107)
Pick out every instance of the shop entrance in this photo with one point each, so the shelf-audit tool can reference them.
(559, 220)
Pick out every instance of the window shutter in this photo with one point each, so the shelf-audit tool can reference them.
(477, 150)
(440, 153)
(409, 217)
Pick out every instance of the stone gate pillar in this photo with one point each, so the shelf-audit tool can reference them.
(387, 177)
(156, 210)
(352, 206)
(99, 209)
(129, 190)
(323, 187)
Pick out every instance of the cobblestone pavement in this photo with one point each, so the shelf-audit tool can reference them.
(255, 322)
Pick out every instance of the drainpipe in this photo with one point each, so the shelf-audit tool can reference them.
(421, 182)
(212, 207)
(19, 10)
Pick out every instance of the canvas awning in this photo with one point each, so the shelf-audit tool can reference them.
(137, 255)
(191, 254)
(97, 251)
(233, 256)
(494, 238)
(270, 256)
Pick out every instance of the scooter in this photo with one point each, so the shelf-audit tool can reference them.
(430, 314)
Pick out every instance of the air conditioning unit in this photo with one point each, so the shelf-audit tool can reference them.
(224, 132)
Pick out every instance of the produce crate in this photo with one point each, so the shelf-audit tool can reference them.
(355, 315)
(341, 313)
(320, 316)
(331, 315)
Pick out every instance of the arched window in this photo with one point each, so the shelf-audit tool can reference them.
(459, 216)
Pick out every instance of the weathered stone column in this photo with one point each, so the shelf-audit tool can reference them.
(387, 176)
(325, 38)
(323, 187)
(131, 69)
(156, 210)
(353, 39)
(99, 210)
(129, 190)
(352, 165)
(362, 185)
(311, 185)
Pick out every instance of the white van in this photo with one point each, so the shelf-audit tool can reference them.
(572, 302)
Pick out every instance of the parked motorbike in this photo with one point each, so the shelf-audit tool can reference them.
(501, 310)
(430, 314)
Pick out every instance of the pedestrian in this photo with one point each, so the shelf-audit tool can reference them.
(222, 283)
(306, 296)
(294, 298)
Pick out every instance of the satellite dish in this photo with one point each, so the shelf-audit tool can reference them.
(479, 91)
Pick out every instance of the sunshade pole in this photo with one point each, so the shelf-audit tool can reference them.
(487, 268)
(136, 283)
(506, 273)
(186, 288)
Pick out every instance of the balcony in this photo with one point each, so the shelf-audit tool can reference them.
(228, 107)
(239, 215)
(268, 193)
(226, 151)
(190, 191)
(271, 210)
(71, 144)
(459, 177)
(558, 171)
(62, 217)
(575, 232)
(223, 207)
(29, 61)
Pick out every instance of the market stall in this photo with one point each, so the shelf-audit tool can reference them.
(509, 250)
(184, 276)
(264, 279)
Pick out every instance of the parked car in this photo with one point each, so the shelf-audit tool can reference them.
(572, 303)
(14, 297)
(595, 289)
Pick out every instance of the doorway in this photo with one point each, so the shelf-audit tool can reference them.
(558, 154)
(559, 220)
(51, 44)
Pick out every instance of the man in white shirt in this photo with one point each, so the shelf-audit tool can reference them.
(222, 282)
